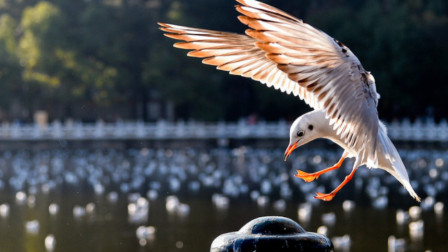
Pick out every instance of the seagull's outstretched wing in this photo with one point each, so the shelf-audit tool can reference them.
(232, 52)
(282, 51)
(329, 71)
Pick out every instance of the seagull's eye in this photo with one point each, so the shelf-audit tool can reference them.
(300, 134)
(310, 127)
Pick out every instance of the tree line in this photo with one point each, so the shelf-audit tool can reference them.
(107, 59)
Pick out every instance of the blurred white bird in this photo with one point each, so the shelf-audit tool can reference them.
(282, 51)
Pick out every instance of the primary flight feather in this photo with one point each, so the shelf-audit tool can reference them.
(282, 51)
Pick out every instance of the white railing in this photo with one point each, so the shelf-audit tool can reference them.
(404, 130)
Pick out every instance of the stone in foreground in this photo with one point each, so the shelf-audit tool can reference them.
(272, 234)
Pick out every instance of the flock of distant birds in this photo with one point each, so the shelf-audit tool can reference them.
(144, 175)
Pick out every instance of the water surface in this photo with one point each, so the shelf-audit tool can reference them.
(76, 177)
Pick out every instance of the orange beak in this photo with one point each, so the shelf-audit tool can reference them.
(290, 149)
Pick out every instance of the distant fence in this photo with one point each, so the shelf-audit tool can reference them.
(405, 131)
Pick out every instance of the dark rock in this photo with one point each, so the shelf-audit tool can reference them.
(271, 234)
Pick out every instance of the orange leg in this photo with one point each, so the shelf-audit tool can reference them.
(308, 177)
(329, 196)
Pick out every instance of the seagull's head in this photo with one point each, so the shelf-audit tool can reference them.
(302, 131)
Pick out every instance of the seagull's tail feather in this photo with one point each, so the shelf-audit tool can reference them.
(392, 162)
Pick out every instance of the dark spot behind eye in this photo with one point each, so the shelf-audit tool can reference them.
(310, 127)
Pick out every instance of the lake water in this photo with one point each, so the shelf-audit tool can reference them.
(93, 188)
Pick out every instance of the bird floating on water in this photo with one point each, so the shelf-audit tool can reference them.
(282, 51)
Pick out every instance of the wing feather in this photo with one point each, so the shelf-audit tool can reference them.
(323, 66)
(235, 53)
(282, 51)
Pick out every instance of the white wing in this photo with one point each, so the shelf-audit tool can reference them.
(330, 72)
(232, 52)
(292, 56)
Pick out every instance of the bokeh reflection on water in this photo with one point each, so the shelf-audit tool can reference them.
(108, 199)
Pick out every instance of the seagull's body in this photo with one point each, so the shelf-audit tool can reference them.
(386, 156)
(282, 51)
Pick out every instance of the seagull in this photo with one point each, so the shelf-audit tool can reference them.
(283, 52)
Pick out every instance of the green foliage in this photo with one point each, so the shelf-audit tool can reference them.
(9, 63)
(107, 58)
(40, 31)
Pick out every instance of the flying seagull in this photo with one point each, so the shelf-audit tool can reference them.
(282, 51)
